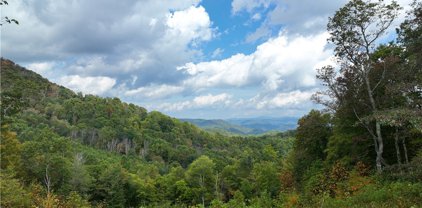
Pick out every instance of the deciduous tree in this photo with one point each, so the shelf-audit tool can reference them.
(355, 30)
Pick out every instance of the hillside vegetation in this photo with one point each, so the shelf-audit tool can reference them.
(65, 149)
(59, 146)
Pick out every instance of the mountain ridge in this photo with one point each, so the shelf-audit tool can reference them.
(246, 126)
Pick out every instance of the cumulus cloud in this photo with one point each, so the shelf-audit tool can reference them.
(109, 38)
(88, 85)
(198, 102)
(209, 99)
(41, 67)
(299, 17)
(191, 24)
(286, 99)
(304, 17)
(155, 91)
(248, 5)
(280, 63)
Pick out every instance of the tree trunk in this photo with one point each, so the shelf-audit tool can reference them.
(217, 193)
(202, 184)
(396, 143)
(405, 150)
(144, 149)
(47, 180)
(379, 141)
(380, 158)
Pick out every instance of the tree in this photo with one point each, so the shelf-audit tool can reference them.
(109, 187)
(46, 159)
(311, 141)
(266, 178)
(410, 38)
(10, 148)
(80, 179)
(355, 30)
(12, 192)
(200, 174)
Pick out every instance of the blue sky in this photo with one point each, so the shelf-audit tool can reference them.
(186, 58)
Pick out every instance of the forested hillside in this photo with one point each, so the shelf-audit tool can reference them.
(65, 149)
(61, 148)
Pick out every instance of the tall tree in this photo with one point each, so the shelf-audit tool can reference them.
(311, 141)
(355, 30)
(201, 175)
(10, 148)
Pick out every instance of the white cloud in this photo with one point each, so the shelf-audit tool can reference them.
(259, 33)
(202, 101)
(88, 85)
(299, 17)
(209, 99)
(109, 38)
(217, 53)
(256, 17)
(192, 24)
(248, 5)
(155, 91)
(285, 99)
(281, 62)
(41, 67)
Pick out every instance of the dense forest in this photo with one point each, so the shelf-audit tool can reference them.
(65, 149)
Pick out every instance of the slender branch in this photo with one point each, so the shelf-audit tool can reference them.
(382, 30)
(363, 33)
(363, 123)
(382, 77)
(47, 180)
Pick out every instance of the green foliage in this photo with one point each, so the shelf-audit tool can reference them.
(80, 180)
(109, 187)
(74, 200)
(389, 195)
(13, 193)
(266, 178)
(10, 149)
(200, 175)
(311, 141)
(47, 154)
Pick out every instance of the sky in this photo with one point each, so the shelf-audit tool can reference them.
(186, 58)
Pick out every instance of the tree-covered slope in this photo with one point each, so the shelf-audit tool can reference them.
(61, 147)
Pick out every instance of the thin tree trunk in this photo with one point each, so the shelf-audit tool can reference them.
(47, 180)
(217, 193)
(379, 160)
(396, 143)
(405, 150)
(202, 184)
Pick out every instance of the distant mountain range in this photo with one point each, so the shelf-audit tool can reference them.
(246, 126)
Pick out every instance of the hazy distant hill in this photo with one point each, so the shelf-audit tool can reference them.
(220, 126)
(246, 126)
(264, 124)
